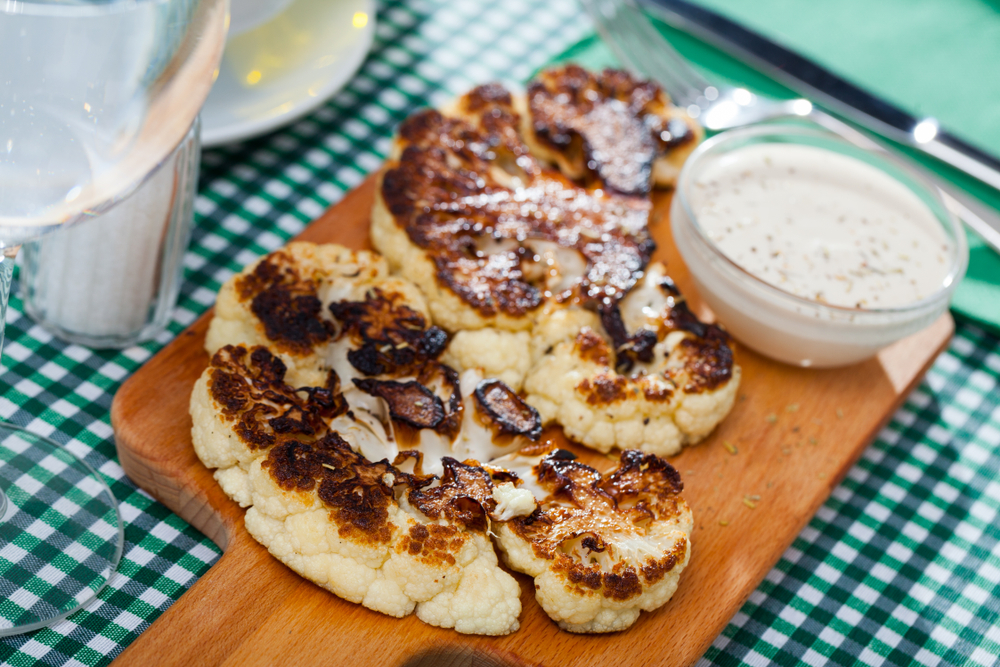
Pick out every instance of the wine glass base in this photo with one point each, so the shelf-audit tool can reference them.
(61, 536)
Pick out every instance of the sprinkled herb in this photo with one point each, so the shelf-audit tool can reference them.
(723, 522)
(812, 440)
(730, 447)
(794, 407)
(749, 503)
(772, 418)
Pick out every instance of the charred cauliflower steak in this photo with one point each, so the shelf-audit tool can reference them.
(644, 374)
(601, 548)
(487, 232)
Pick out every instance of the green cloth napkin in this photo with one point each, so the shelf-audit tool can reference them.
(931, 57)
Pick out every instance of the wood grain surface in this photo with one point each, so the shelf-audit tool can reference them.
(795, 434)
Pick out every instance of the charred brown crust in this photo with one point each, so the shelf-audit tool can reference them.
(500, 406)
(641, 473)
(388, 336)
(286, 304)
(432, 543)
(584, 508)
(708, 361)
(707, 353)
(708, 357)
(451, 192)
(250, 390)
(351, 486)
(604, 389)
(629, 348)
(409, 402)
(590, 346)
(610, 126)
(464, 495)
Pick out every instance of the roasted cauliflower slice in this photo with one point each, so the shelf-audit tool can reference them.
(644, 374)
(487, 232)
(607, 129)
(394, 540)
(601, 548)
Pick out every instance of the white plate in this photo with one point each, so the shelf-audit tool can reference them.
(282, 70)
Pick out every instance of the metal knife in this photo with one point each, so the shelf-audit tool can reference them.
(829, 90)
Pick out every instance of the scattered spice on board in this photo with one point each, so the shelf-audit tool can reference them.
(730, 447)
(812, 440)
(772, 418)
(749, 503)
(794, 407)
(723, 522)
(786, 450)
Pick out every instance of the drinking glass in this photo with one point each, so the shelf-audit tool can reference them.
(94, 95)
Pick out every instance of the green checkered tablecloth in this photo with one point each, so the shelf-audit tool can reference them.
(901, 566)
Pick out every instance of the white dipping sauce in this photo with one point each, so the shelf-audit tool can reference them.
(821, 225)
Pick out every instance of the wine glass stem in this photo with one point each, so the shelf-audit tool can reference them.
(7, 256)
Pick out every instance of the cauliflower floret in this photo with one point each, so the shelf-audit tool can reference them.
(279, 301)
(601, 548)
(666, 382)
(498, 354)
(512, 501)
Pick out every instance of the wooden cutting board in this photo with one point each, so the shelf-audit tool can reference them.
(753, 485)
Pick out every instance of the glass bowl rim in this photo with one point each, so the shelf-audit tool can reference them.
(958, 241)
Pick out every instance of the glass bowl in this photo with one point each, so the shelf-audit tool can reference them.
(794, 329)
